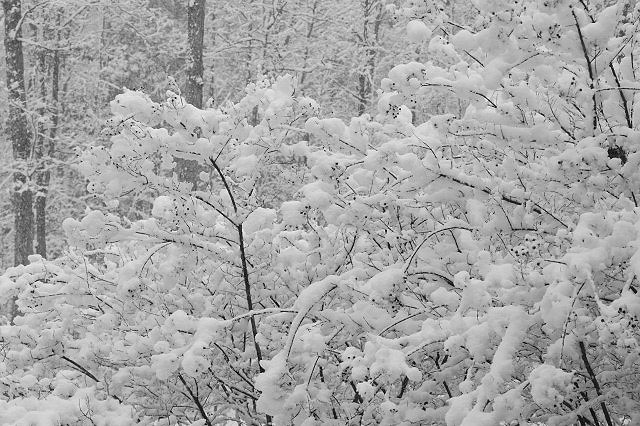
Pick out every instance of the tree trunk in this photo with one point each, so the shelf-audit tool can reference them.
(19, 135)
(40, 198)
(187, 170)
(370, 44)
(307, 49)
(46, 140)
(195, 41)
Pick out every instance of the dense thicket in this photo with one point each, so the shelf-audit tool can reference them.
(410, 266)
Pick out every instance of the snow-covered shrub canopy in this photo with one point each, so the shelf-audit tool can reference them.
(475, 270)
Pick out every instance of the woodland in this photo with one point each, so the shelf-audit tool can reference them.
(320, 212)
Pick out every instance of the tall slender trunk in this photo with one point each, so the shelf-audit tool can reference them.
(105, 93)
(40, 148)
(46, 139)
(370, 44)
(19, 135)
(307, 48)
(253, 119)
(195, 41)
(187, 170)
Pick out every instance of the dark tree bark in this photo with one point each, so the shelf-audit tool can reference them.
(373, 14)
(45, 141)
(19, 135)
(187, 169)
(307, 49)
(195, 41)
(40, 148)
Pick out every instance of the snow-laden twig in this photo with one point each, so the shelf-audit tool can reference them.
(307, 299)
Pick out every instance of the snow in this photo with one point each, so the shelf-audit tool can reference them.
(385, 283)
(314, 293)
(271, 396)
(258, 220)
(441, 296)
(417, 31)
(162, 206)
(467, 234)
(193, 362)
(318, 194)
(246, 165)
(391, 365)
(52, 410)
(333, 126)
(636, 110)
(463, 40)
(474, 296)
(291, 256)
(547, 383)
(165, 364)
(601, 31)
(292, 213)
(366, 390)
(501, 275)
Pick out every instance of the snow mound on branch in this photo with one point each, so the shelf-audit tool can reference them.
(547, 383)
(392, 363)
(268, 383)
(161, 206)
(259, 219)
(54, 410)
(463, 40)
(417, 31)
(441, 296)
(384, 283)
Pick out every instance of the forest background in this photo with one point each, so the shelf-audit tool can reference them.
(321, 212)
(79, 54)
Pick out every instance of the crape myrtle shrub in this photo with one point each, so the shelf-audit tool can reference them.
(475, 270)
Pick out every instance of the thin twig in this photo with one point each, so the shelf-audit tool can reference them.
(594, 380)
(226, 185)
(196, 400)
(80, 368)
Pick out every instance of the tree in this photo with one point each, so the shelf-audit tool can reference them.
(195, 40)
(48, 84)
(188, 169)
(369, 39)
(19, 135)
(474, 270)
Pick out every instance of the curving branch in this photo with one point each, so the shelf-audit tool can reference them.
(594, 380)
(196, 401)
(80, 368)
(424, 240)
